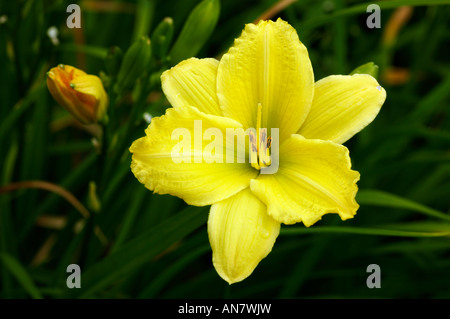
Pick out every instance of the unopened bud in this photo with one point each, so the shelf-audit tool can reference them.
(135, 62)
(81, 94)
(196, 31)
(113, 60)
(93, 200)
(162, 37)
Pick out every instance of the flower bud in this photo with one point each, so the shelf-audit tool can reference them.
(162, 37)
(196, 31)
(81, 94)
(135, 62)
(368, 68)
(93, 200)
(113, 60)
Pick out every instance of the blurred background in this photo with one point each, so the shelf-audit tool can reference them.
(67, 195)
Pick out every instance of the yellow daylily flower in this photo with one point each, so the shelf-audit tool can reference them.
(81, 94)
(265, 80)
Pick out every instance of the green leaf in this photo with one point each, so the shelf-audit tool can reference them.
(382, 231)
(144, 16)
(21, 275)
(94, 51)
(431, 103)
(8, 123)
(138, 198)
(158, 284)
(139, 251)
(361, 8)
(420, 245)
(304, 266)
(72, 180)
(379, 198)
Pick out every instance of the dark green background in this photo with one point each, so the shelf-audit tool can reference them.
(155, 246)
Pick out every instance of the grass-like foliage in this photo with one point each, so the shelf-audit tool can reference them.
(67, 195)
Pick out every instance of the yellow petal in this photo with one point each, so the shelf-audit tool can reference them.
(90, 86)
(173, 159)
(241, 235)
(269, 65)
(193, 82)
(314, 178)
(342, 106)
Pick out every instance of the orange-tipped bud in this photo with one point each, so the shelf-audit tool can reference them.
(81, 94)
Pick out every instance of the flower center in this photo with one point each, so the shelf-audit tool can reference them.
(259, 144)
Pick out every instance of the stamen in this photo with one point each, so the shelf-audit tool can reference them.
(253, 149)
(260, 144)
(258, 121)
(269, 142)
(264, 153)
